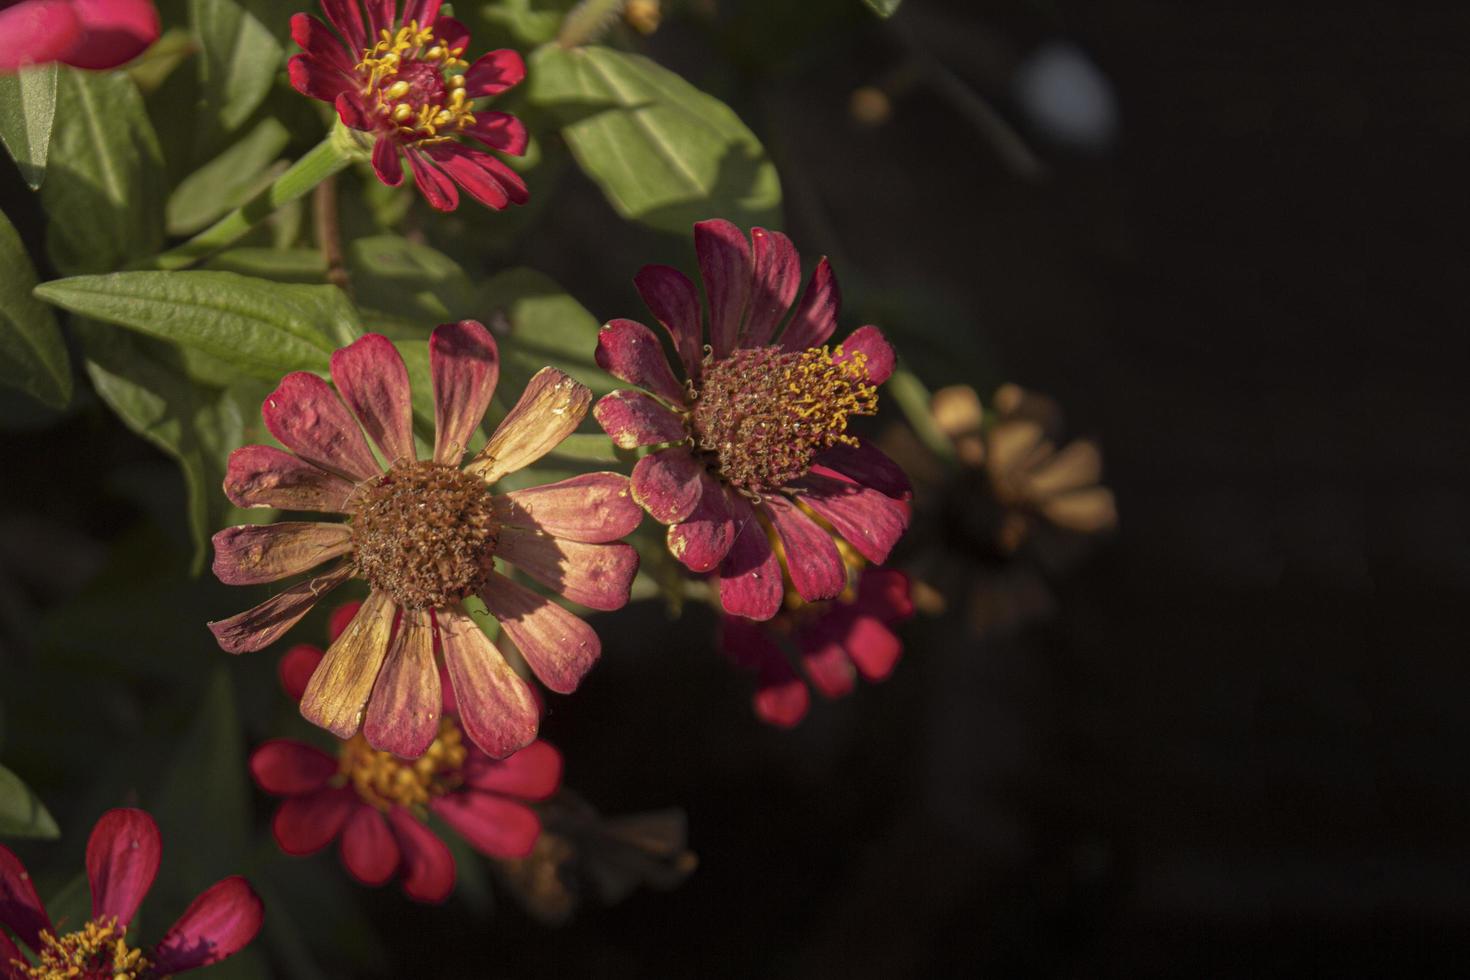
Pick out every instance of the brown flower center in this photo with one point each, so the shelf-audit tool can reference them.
(97, 951)
(425, 534)
(761, 415)
(407, 83)
(384, 780)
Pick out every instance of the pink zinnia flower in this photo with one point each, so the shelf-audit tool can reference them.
(377, 802)
(82, 33)
(426, 534)
(832, 642)
(755, 434)
(122, 861)
(403, 80)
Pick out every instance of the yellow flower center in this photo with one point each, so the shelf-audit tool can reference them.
(384, 780)
(406, 81)
(97, 951)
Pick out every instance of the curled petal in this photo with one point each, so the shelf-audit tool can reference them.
(486, 179)
(428, 867)
(432, 182)
(773, 290)
(702, 539)
(339, 689)
(403, 712)
(674, 302)
(122, 861)
(386, 163)
(871, 522)
(497, 709)
(598, 576)
(812, 559)
(284, 767)
(369, 849)
(592, 507)
(494, 73)
(20, 907)
(629, 351)
(750, 575)
(870, 342)
(305, 824)
(264, 476)
(815, 318)
(869, 466)
(668, 484)
(559, 647)
(311, 421)
(257, 628)
(373, 380)
(726, 266)
(317, 40)
(249, 554)
(533, 773)
(495, 827)
(550, 409)
(217, 924)
(465, 364)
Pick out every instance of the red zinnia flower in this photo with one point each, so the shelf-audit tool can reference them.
(403, 80)
(377, 802)
(82, 33)
(759, 423)
(122, 860)
(426, 534)
(828, 640)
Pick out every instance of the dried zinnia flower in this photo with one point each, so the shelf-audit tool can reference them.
(403, 80)
(426, 534)
(96, 34)
(122, 861)
(378, 802)
(758, 423)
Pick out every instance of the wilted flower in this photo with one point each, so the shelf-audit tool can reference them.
(426, 534)
(403, 80)
(758, 424)
(93, 34)
(378, 802)
(122, 861)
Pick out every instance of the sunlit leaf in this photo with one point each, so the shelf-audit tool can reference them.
(238, 59)
(27, 107)
(32, 354)
(883, 8)
(226, 181)
(22, 814)
(403, 280)
(538, 324)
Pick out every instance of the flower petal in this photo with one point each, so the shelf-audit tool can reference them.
(869, 466)
(8, 953)
(122, 861)
(249, 554)
(264, 476)
(629, 351)
(114, 32)
(869, 341)
(339, 619)
(340, 687)
(773, 289)
(668, 484)
(827, 664)
(533, 773)
(421, 12)
(450, 31)
(36, 33)
(674, 302)
(812, 559)
(316, 78)
(726, 266)
(20, 907)
(871, 522)
(558, 646)
(550, 409)
(305, 824)
(1083, 511)
(781, 696)
(310, 420)
(428, 866)
(494, 73)
(369, 849)
(380, 16)
(1074, 467)
(386, 163)
(499, 131)
(750, 576)
(373, 381)
(595, 575)
(318, 41)
(403, 712)
(465, 364)
(873, 647)
(885, 593)
(816, 316)
(497, 709)
(632, 419)
(346, 16)
(702, 539)
(460, 164)
(259, 627)
(495, 827)
(295, 668)
(218, 924)
(432, 182)
(592, 507)
(284, 767)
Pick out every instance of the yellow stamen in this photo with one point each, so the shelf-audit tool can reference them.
(384, 780)
(96, 948)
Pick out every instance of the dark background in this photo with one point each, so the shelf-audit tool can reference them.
(1237, 749)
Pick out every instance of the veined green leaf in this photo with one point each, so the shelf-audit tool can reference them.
(663, 152)
(22, 814)
(27, 107)
(538, 324)
(238, 59)
(32, 354)
(883, 8)
(408, 281)
(525, 23)
(304, 265)
(264, 328)
(227, 181)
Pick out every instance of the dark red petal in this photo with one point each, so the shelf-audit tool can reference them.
(308, 418)
(703, 539)
(750, 576)
(218, 924)
(380, 16)
(122, 861)
(317, 40)
(465, 166)
(404, 710)
(726, 266)
(558, 646)
(386, 163)
(368, 847)
(493, 826)
(464, 362)
(816, 317)
(433, 183)
(667, 484)
(20, 907)
(533, 773)
(373, 381)
(341, 617)
(868, 465)
(288, 768)
(8, 954)
(499, 131)
(264, 476)
(428, 867)
(37, 32)
(872, 646)
(260, 626)
(781, 697)
(812, 558)
(114, 32)
(306, 824)
(422, 12)
(828, 666)
(632, 419)
(674, 302)
(316, 79)
(871, 522)
(252, 554)
(777, 278)
(629, 351)
(451, 32)
(346, 16)
(880, 357)
(885, 593)
(494, 73)
(592, 507)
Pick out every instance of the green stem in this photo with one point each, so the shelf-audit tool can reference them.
(328, 157)
(913, 399)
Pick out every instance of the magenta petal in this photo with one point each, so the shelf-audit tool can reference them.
(593, 507)
(499, 131)
(216, 925)
(318, 41)
(20, 907)
(777, 278)
(750, 576)
(264, 476)
(386, 163)
(827, 665)
(403, 712)
(494, 73)
(432, 182)
(781, 696)
(421, 12)
(632, 419)
(812, 559)
(465, 363)
(346, 16)
(493, 826)
(674, 302)
(380, 16)
(373, 381)
(595, 575)
(869, 466)
(702, 539)
(869, 340)
(872, 646)
(37, 32)
(284, 767)
(114, 32)
(871, 522)
(305, 824)
(316, 78)
(428, 867)
(667, 484)
(533, 773)
(885, 593)
(816, 316)
(8, 953)
(629, 351)
(295, 668)
(122, 860)
(262, 625)
(470, 170)
(452, 33)
(558, 646)
(726, 266)
(250, 554)
(353, 111)
(310, 420)
(369, 849)
(498, 710)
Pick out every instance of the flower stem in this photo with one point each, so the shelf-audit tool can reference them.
(913, 399)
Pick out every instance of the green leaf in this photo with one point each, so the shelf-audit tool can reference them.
(538, 324)
(32, 354)
(104, 178)
(305, 265)
(238, 59)
(263, 328)
(227, 181)
(27, 106)
(883, 8)
(22, 814)
(408, 281)
(663, 152)
(525, 23)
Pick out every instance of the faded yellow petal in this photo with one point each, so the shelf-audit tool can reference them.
(550, 409)
(339, 688)
(957, 410)
(1078, 465)
(1084, 511)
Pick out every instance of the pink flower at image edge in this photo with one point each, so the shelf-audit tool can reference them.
(95, 34)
